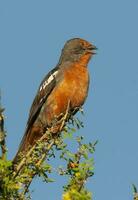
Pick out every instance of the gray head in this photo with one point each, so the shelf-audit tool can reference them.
(75, 48)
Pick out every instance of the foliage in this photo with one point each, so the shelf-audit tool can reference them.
(135, 192)
(79, 169)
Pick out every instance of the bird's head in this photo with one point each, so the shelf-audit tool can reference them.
(77, 49)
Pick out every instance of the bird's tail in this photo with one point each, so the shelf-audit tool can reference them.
(29, 139)
(21, 150)
(24, 146)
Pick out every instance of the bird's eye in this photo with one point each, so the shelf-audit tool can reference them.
(79, 50)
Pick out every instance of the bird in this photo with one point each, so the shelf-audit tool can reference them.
(67, 83)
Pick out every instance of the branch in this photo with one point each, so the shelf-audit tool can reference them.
(52, 142)
(46, 137)
(2, 134)
(79, 169)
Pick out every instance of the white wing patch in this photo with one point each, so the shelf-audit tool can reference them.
(46, 82)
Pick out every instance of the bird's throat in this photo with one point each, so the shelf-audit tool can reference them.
(84, 59)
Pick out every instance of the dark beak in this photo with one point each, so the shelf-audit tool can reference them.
(91, 49)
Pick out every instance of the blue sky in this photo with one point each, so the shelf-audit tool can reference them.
(32, 34)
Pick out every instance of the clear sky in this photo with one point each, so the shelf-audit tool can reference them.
(32, 34)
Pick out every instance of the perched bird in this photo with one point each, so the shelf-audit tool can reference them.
(67, 83)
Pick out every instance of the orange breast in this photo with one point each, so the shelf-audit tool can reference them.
(73, 88)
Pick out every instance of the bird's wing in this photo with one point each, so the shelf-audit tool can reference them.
(45, 88)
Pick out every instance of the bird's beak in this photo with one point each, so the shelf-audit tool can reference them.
(91, 49)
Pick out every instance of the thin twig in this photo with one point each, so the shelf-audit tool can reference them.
(65, 117)
(32, 175)
(2, 133)
(23, 161)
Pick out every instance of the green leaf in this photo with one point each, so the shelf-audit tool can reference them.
(50, 180)
(134, 188)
